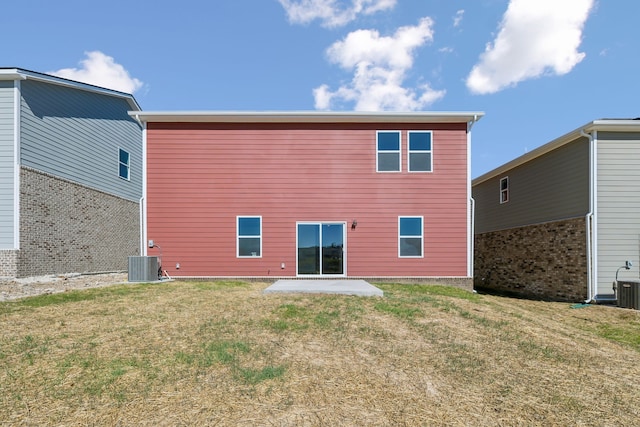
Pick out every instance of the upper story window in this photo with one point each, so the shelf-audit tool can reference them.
(123, 170)
(249, 242)
(504, 190)
(388, 151)
(410, 236)
(420, 157)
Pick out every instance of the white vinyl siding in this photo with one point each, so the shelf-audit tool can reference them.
(7, 164)
(618, 207)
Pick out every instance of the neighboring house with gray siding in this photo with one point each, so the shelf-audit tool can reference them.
(559, 222)
(70, 176)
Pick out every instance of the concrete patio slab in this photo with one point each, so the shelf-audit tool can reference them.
(344, 287)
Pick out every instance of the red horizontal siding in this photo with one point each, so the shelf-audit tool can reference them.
(201, 176)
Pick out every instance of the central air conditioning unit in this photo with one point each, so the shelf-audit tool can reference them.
(629, 293)
(143, 269)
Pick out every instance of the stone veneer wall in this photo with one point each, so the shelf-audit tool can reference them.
(546, 261)
(69, 228)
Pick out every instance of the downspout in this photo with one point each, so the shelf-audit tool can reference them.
(589, 220)
(143, 199)
(472, 203)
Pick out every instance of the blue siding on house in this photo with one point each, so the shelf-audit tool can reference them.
(75, 134)
(7, 164)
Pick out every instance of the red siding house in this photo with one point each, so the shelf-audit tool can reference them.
(309, 194)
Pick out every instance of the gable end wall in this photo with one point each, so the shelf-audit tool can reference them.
(75, 134)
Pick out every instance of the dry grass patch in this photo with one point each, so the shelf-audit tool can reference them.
(223, 353)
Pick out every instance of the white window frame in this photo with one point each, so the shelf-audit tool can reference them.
(399, 151)
(128, 164)
(410, 151)
(504, 192)
(238, 236)
(400, 237)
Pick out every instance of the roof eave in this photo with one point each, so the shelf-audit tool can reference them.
(596, 125)
(303, 116)
(21, 74)
(11, 74)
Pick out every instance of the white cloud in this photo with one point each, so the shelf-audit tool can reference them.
(101, 70)
(379, 65)
(457, 19)
(535, 38)
(332, 13)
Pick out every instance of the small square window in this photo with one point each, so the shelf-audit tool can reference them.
(410, 237)
(249, 229)
(123, 164)
(388, 151)
(420, 151)
(504, 190)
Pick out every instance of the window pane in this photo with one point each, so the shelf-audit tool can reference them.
(309, 249)
(411, 246)
(420, 141)
(124, 157)
(504, 184)
(411, 226)
(420, 162)
(249, 227)
(388, 141)
(388, 162)
(124, 171)
(249, 246)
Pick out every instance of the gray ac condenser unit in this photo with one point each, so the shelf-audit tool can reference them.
(628, 292)
(143, 268)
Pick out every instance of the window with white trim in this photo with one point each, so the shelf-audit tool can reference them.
(249, 236)
(420, 156)
(388, 151)
(410, 236)
(123, 162)
(504, 190)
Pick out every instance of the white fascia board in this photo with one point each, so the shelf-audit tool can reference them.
(304, 117)
(608, 125)
(11, 74)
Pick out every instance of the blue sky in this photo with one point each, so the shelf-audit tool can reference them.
(537, 68)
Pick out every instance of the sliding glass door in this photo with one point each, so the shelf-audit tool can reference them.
(321, 248)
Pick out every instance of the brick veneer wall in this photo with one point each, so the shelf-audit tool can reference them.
(546, 261)
(8, 263)
(69, 228)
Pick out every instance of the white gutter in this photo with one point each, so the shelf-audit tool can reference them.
(592, 254)
(305, 117)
